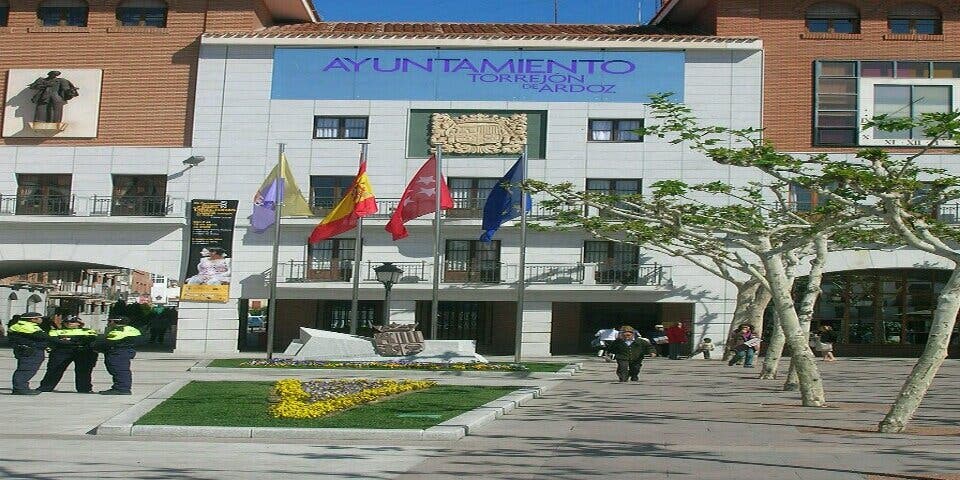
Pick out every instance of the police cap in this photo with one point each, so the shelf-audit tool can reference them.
(30, 315)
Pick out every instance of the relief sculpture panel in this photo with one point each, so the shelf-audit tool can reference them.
(478, 133)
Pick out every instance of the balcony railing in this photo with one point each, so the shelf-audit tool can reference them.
(92, 206)
(37, 204)
(486, 272)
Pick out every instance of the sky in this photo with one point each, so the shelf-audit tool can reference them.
(487, 11)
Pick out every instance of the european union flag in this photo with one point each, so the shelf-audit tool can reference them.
(503, 201)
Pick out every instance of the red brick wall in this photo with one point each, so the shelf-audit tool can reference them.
(149, 74)
(789, 57)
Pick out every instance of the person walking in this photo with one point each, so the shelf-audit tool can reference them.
(28, 341)
(71, 343)
(118, 350)
(745, 346)
(604, 337)
(658, 338)
(676, 337)
(629, 350)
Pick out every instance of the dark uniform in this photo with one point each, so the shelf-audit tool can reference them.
(71, 344)
(28, 341)
(629, 357)
(118, 349)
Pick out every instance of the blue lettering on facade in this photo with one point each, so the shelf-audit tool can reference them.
(510, 75)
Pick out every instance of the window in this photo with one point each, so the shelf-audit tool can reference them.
(833, 17)
(142, 13)
(331, 260)
(469, 196)
(850, 92)
(44, 194)
(802, 199)
(614, 130)
(472, 261)
(619, 187)
(139, 195)
(915, 19)
(327, 190)
(836, 120)
(617, 262)
(63, 13)
(910, 101)
(340, 127)
(4, 12)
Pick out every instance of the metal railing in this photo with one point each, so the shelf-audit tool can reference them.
(37, 204)
(480, 272)
(413, 272)
(92, 206)
(630, 274)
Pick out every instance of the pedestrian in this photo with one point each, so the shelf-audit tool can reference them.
(745, 346)
(658, 338)
(676, 337)
(824, 343)
(603, 338)
(118, 350)
(71, 343)
(629, 351)
(705, 347)
(159, 324)
(28, 341)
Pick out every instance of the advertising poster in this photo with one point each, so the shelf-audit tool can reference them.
(211, 246)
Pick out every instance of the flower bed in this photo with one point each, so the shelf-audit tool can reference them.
(322, 397)
(398, 365)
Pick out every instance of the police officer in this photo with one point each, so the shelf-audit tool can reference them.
(29, 342)
(71, 343)
(118, 349)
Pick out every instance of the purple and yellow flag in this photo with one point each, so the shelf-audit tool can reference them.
(275, 189)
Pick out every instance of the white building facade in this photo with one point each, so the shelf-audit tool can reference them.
(580, 97)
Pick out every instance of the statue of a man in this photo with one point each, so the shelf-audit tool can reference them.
(52, 94)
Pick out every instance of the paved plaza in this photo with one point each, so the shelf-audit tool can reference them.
(685, 419)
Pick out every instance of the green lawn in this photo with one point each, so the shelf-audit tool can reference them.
(236, 363)
(244, 404)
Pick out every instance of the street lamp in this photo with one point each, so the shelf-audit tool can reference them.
(387, 274)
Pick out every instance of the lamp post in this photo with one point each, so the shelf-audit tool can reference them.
(387, 274)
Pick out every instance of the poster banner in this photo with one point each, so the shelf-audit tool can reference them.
(211, 246)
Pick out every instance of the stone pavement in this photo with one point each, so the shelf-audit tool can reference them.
(685, 419)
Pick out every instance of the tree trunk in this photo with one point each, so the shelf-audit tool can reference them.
(771, 359)
(807, 304)
(811, 386)
(916, 385)
(747, 295)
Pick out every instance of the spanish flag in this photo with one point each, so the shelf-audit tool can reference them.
(356, 204)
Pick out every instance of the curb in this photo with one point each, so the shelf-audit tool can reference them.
(562, 374)
(455, 428)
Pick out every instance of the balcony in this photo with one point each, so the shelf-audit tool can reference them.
(482, 273)
(91, 206)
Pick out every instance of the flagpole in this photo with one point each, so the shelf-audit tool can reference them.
(434, 302)
(357, 259)
(521, 278)
(278, 206)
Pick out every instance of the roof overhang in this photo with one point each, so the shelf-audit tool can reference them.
(292, 10)
(466, 41)
(679, 11)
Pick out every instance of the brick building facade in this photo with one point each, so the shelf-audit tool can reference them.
(150, 72)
